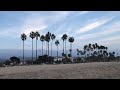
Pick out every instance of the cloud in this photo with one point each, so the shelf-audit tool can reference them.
(28, 29)
(111, 42)
(33, 21)
(93, 25)
(112, 29)
(82, 13)
(60, 22)
(11, 32)
(65, 26)
(59, 15)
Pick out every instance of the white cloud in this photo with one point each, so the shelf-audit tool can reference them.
(93, 25)
(114, 28)
(63, 13)
(59, 15)
(82, 12)
(34, 22)
(61, 19)
(12, 32)
(112, 42)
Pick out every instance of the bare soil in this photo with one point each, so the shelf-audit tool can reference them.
(94, 70)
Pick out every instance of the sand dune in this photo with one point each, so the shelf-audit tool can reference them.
(95, 70)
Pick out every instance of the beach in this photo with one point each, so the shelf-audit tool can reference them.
(93, 70)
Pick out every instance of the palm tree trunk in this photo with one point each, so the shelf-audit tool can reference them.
(51, 51)
(23, 51)
(42, 48)
(48, 51)
(89, 52)
(46, 47)
(51, 48)
(71, 48)
(36, 49)
(57, 52)
(85, 53)
(32, 51)
(65, 47)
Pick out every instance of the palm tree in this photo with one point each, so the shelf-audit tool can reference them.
(32, 35)
(52, 37)
(42, 38)
(106, 48)
(71, 40)
(113, 53)
(78, 52)
(63, 45)
(37, 35)
(93, 45)
(65, 38)
(45, 38)
(85, 49)
(96, 46)
(56, 43)
(23, 37)
(89, 49)
(48, 35)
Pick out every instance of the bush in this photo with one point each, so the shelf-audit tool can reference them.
(15, 60)
(1, 64)
(7, 62)
(66, 60)
(45, 59)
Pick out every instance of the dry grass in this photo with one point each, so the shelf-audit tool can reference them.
(95, 70)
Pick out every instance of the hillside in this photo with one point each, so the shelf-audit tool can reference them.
(95, 70)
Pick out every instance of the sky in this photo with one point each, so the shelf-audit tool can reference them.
(102, 27)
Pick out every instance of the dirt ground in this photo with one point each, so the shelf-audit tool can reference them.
(94, 70)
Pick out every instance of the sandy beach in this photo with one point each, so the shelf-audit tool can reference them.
(94, 70)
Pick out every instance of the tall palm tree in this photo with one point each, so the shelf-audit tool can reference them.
(63, 44)
(45, 38)
(96, 46)
(37, 35)
(23, 37)
(78, 52)
(56, 43)
(113, 53)
(85, 49)
(65, 38)
(100, 48)
(106, 48)
(32, 36)
(52, 37)
(48, 35)
(42, 38)
(89, 49)
(71, 40)
(93, 45)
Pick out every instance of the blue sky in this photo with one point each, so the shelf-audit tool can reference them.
(102, 27)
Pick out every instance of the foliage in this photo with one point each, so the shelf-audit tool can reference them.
(15, 60)
(7, 62)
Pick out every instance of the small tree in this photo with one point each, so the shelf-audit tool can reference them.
(15, 60)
